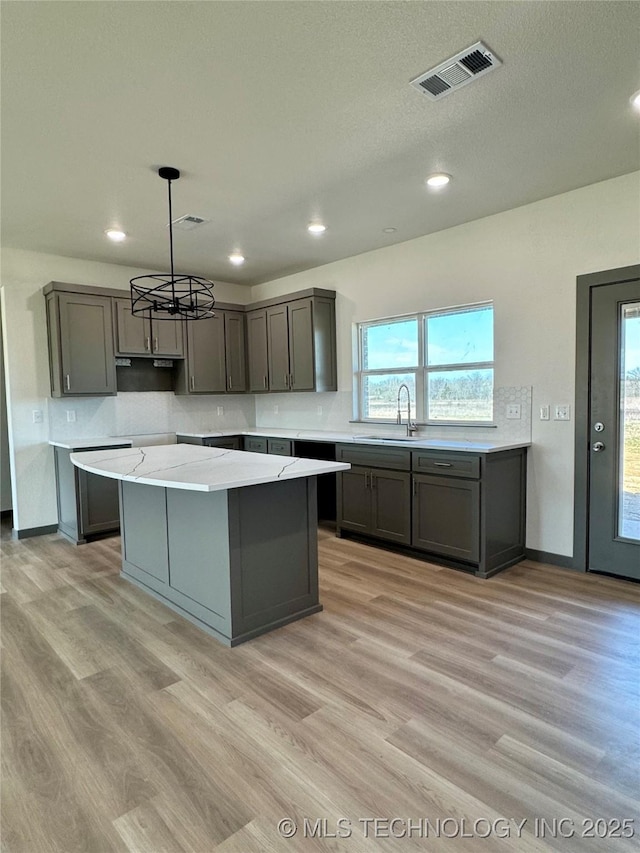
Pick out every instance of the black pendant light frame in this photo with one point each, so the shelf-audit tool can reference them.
(188, 297)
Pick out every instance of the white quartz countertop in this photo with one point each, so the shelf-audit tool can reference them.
(81, 443)
(196, 468)
(419, 443)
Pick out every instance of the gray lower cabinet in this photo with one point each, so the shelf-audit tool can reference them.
(81, 355)
(279, 446)
(255, 444)
(463, 509)
(148, 335)
(446, 516)
(376, 502)
(237, 563)
(228, 442)
(88, 504)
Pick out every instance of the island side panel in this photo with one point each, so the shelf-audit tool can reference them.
(274, 555)
(143, 524)
(198, 531)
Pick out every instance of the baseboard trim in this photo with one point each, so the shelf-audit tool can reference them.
(28, 532)
(560, 560)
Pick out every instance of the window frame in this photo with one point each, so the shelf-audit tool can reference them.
(420, 371)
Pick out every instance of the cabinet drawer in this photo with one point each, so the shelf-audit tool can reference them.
(279, 446)
(255, 445)
(446, 464)
(228, 442)
(377, 457)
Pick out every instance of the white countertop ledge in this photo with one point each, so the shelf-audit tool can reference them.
(82, 443)
(199, 469)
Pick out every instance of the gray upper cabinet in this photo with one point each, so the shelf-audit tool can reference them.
(234, 345)
(146, 335)
(301, 345)
(81, 355)
(257, 352)
(203, 371)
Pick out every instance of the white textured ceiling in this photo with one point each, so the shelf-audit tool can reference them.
(281, 112)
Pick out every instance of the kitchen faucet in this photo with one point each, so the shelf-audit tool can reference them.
(411, 427)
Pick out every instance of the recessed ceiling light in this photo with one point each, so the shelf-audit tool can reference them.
(389, 230)
(635, 101)
(316, 228)
(115, 235)
(438, 180)
(236, 258)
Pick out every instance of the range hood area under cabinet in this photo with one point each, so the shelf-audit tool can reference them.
(279, 345)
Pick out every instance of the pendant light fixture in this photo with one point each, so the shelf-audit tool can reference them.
(177, 296)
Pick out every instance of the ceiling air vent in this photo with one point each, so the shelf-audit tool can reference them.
(456, 72)
(188, 222)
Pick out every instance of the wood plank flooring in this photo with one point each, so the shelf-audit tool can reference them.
(419, 693)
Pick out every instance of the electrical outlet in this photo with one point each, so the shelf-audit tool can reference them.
(513, 411)
(562, 413)
(220, 411)
(71, 416)
(544, 413)
(38, 417)
(276, 410)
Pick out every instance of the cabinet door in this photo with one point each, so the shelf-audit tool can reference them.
(301, 363)
(205, 348)
(99, 503)
(232, 442)
(167, 336)
(86, 344)
(446, 516)
(133, 333)
(234, 350)
(354, 500)
(391, 505)
(257, 350)
(278, 348)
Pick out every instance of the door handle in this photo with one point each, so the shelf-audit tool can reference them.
(597, 446)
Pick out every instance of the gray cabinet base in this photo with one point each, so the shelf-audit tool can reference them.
(236, 563)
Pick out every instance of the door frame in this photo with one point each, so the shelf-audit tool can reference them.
(584, 288)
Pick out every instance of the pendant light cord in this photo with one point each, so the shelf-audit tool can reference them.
(170, 229)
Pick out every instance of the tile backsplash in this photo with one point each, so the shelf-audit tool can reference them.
(134, 413)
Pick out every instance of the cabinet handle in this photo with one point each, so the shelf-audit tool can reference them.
(193, 383)
(286, 380)
(443, 464)
(155, 345)
(264, 381)
(147, 343)
(230, 383)
(373, 481)
(291, 380)
(67, 382)
(366, 479)
(414, 484)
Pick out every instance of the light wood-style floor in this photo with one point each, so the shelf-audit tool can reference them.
(419, 692)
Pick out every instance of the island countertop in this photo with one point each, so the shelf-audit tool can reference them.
(201, 469)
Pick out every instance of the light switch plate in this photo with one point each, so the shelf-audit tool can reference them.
(71, 416)
(513, 411)
(544, 413)
(38, 417)
(275, 410)
(562, 413)
(220, 411)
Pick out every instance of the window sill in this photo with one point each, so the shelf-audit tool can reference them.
(459, 424)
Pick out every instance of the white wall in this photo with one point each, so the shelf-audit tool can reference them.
(23, 275)
(526, 260)
(5, 466)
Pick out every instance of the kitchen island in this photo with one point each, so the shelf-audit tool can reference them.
(226, 538)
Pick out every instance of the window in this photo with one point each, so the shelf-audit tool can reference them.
(445, 358)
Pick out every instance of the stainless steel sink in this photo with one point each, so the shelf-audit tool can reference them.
(388, 438)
